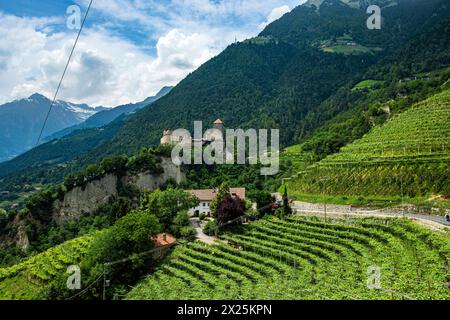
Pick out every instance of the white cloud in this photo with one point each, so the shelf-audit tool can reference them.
(105, 70)
(110, 69)
(275, 14)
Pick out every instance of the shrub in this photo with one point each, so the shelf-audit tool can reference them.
(188, 232)
(210, 228)
(202, 216)
(3, 214)
(180, 221)
(253, 215)
(287, 210)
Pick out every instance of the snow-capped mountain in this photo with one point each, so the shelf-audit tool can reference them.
(21, 121)
(83, 112)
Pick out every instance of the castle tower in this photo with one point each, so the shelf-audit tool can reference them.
(218, 124)
(167, 137)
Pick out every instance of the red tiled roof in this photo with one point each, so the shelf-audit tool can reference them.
(209, 194)
(163, 239)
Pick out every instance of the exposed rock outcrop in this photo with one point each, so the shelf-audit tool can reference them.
(86, 200)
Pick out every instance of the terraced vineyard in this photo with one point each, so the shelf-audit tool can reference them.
(307, 258)
(297, 159)
(409, 154)
(29, 279)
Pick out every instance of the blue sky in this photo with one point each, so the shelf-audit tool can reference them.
(128, 50)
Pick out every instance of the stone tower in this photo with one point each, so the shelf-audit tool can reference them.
(167, 137)
(218, 124)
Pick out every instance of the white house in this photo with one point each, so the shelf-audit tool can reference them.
(207, 195)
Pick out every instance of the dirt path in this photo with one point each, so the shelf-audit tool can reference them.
(201, 236)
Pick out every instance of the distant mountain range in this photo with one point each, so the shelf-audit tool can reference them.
(76, 141)
(21, 122)
(106, 116)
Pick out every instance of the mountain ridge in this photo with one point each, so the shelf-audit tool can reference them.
(21, 121)
(106, 116)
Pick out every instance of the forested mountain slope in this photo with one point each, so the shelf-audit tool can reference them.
(282, 75)
(390, 87)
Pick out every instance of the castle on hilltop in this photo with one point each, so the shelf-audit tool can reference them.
(170, 138)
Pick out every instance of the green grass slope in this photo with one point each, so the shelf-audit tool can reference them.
(307, 258)
(409, 155)
(32, 279)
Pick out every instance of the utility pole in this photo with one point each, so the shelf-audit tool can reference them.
(323, 179)
(104, 281)
(401, 188)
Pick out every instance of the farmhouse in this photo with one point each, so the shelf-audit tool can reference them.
(207, 195)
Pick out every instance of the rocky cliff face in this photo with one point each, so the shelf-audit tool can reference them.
(86, 200)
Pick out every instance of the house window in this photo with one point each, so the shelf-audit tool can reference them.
(204, 204)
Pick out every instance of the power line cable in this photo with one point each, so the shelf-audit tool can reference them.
(87, 288)
(63, 75)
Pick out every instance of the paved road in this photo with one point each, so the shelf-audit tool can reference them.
(343, 210)
(384, 213)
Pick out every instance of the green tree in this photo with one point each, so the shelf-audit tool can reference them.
(70, 181)
(92, 172)
(222, 193)
(114, 164)
(180, 221)
(3, 214)
(167, 204)
(286, 209)
(131, 234)
(40, 205)
(264, 202)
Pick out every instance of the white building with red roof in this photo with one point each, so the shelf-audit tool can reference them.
(207, 195)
